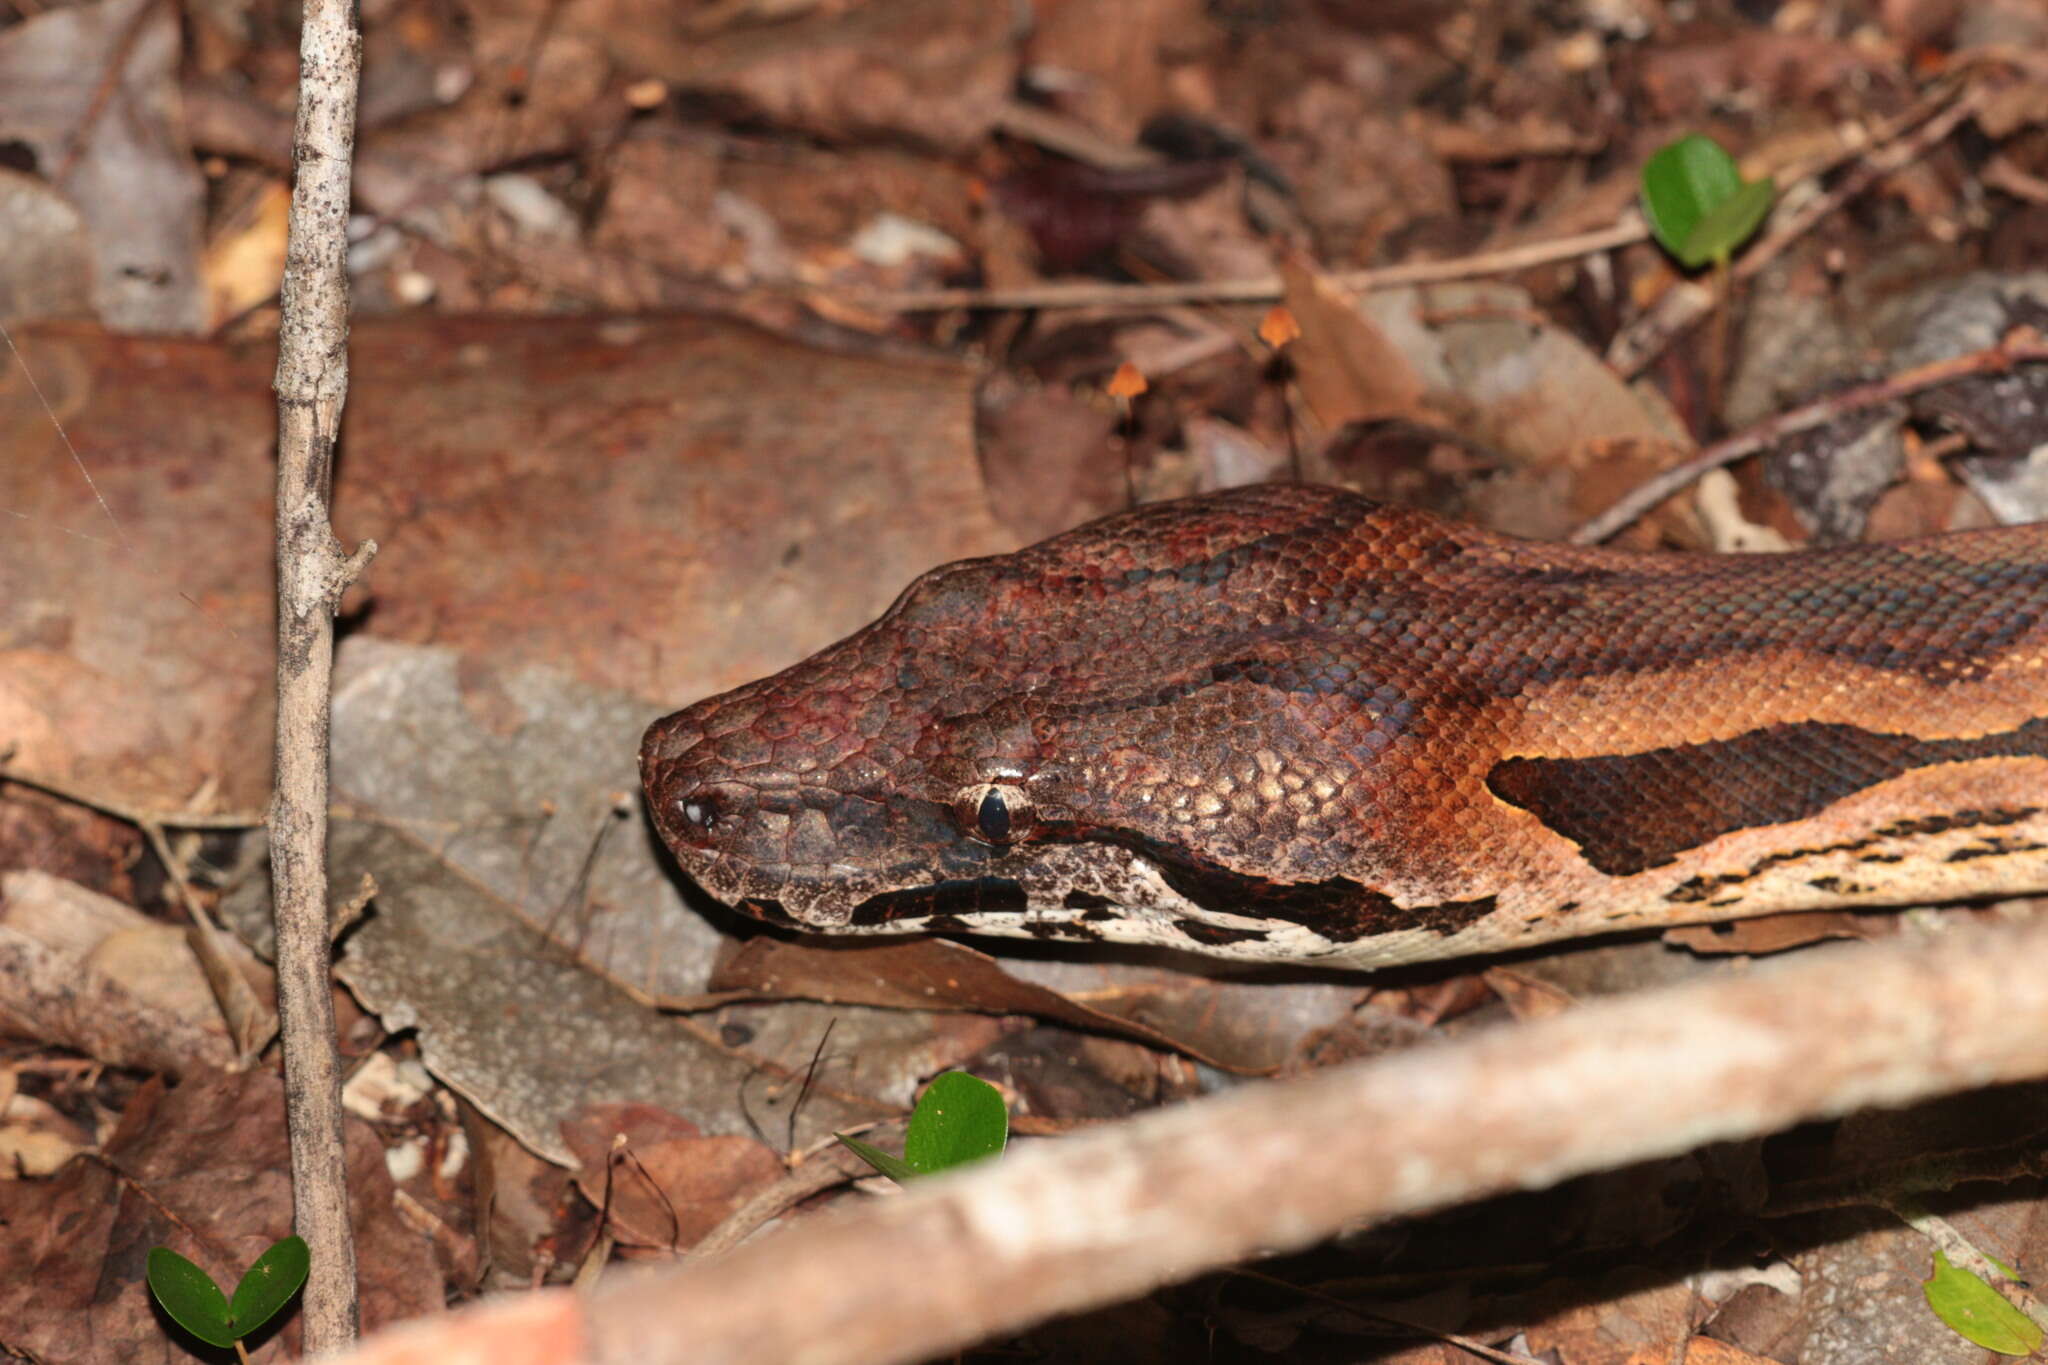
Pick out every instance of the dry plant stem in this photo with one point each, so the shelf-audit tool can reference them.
(1090, 294)
(1111, 1213)
(312, 573)
(2022, 347)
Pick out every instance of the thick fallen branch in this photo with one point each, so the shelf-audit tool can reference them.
(1117, 1211)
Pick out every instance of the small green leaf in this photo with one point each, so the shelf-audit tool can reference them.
(190, 1296)
(1729, 223)
(1699, 206)
(269, 1284)
(1682, 180)
(891, 1166)
(959, 1118)
(1977, 1312)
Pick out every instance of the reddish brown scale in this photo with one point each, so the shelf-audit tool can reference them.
(1286, 706)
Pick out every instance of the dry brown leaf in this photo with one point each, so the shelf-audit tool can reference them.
(667, 1183)
(92, 91)
(1626, 1309)
(932, 71)
(926, 973)
(1777, 933)
(1109, 57)
(47, 269)
(1528, 997)
(35, 1138)
(1348, 369)
(243, 263)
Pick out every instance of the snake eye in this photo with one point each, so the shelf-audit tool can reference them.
(698, 813)
(994, 812)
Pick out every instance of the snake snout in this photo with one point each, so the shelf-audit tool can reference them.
(681, 785)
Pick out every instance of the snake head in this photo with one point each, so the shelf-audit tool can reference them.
(1126, 732)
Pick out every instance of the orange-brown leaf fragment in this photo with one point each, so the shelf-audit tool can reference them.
(1278, 327)
(1127, 382)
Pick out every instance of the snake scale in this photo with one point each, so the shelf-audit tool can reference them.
(1286, 723)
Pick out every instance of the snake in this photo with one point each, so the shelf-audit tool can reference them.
(1285, 723)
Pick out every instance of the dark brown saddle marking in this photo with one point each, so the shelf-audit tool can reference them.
(1632, 812)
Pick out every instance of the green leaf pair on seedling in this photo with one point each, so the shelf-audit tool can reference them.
(196, 1304)
(1699, 206)
(959, 1118)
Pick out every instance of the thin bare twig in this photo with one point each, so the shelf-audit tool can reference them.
(312, 574)
(2023, 346)
(1091, 293)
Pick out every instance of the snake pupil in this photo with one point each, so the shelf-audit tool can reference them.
(992, 817)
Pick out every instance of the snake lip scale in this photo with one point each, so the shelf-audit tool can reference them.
(1285, 723)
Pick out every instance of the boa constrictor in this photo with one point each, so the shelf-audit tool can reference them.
(1286, 723)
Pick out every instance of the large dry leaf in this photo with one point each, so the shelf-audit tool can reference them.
(523, 782)
(666, 507)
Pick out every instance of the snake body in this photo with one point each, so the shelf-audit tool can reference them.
(1286, 723)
